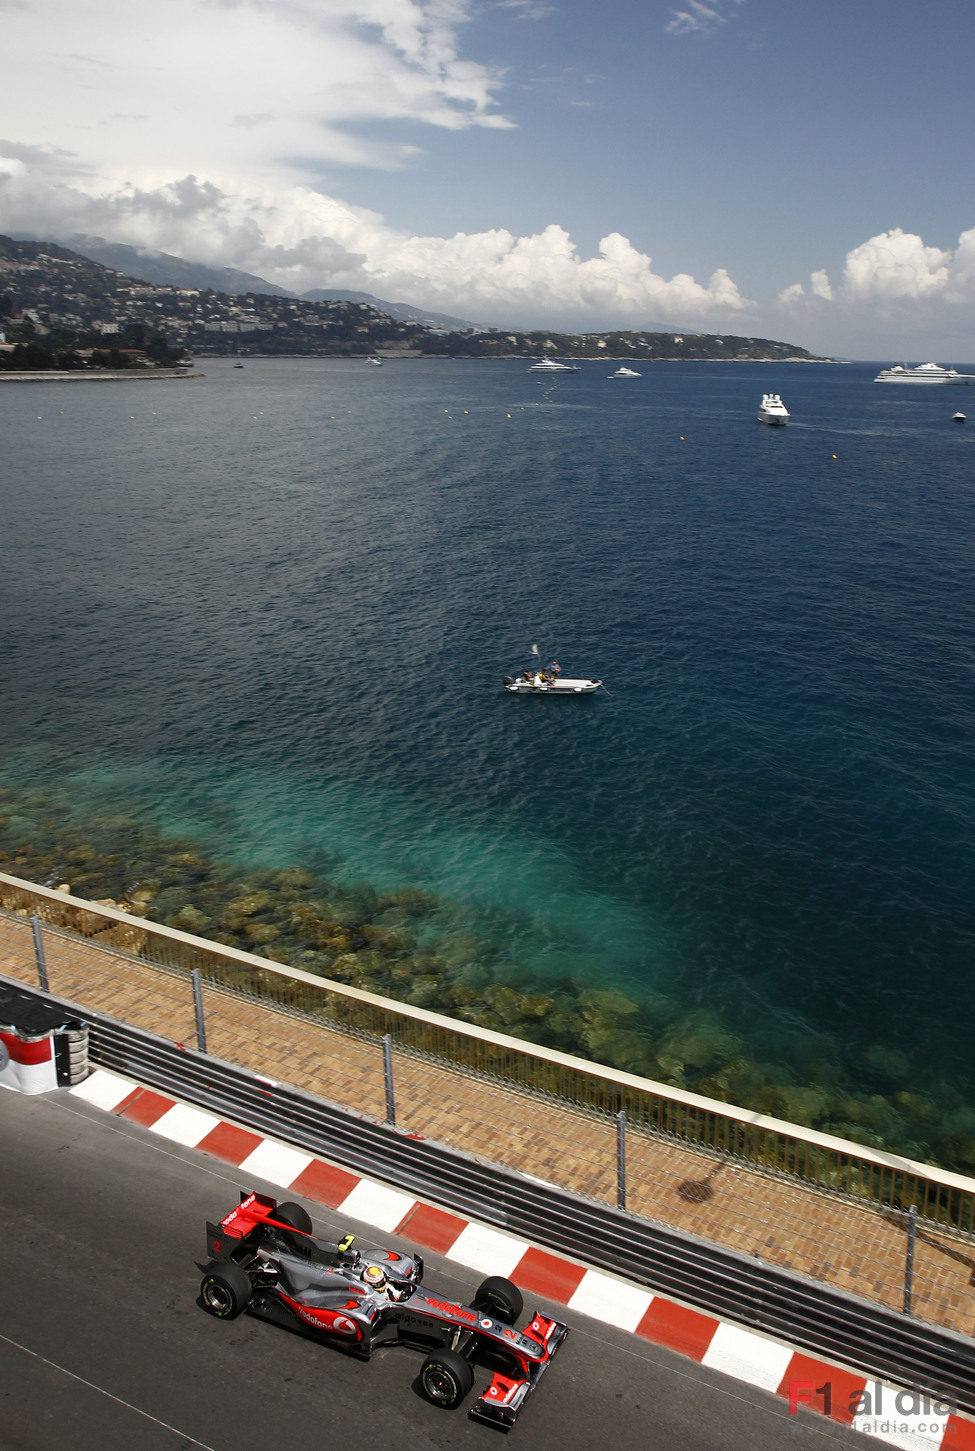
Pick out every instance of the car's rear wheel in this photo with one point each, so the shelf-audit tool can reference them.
(446, 1378)
(500, 1299)
(225, 1289)
(294, 1216)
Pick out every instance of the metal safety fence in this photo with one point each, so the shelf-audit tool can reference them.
(879, 1227)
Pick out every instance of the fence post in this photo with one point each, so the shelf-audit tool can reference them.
(909, 1266)
(388, 1074)
(35, 923)
(621, 1160)
(201, 1031)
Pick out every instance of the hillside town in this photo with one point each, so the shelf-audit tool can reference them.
(61, 310)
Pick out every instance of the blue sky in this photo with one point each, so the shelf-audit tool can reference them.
(799, 169)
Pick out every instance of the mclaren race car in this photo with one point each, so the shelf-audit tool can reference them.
(264, 1258)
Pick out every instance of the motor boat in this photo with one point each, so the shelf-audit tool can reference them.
(958, 418)
(773, 410)
(538, 683)
(923, 373)
(374, 362)
(552, 365)
(624, 372)
(535, 681)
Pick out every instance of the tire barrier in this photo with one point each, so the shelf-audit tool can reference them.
(732, 1286)
(41, 1047)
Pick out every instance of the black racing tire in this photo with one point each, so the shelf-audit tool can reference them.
(225, 1289)
(500, 1299)
(294, 1216)
(446, 1378)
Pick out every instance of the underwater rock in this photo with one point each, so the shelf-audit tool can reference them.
(190, 919)
(803, 1105)
(260, 933)
(957, 1151)
(888, 1067)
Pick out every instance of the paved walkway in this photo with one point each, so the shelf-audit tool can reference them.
(850, 1246)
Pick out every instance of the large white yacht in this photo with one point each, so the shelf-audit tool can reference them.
(923, 373)
(773, 410)
(551, 365)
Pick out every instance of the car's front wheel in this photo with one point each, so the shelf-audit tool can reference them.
(225, 1289)
(446, 1377)
(499, 1298)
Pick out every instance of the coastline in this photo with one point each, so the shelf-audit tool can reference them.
(108, 376)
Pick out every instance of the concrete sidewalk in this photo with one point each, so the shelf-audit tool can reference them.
(831, 1240)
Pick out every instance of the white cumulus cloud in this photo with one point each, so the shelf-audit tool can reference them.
(215, 130)
(895, 265)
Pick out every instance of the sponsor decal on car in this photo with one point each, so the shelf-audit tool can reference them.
(331, 1320)
(456, 1312)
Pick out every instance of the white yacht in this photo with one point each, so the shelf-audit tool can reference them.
(551, 365)
(773, 410)
(624, 372)
(923, 373)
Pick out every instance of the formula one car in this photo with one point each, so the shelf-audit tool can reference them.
(264, 1258)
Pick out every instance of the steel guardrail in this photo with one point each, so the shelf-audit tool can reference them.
(720, 1281)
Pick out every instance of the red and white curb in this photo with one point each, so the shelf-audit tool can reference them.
(892, 1414)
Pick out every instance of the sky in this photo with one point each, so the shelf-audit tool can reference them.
(794, 169)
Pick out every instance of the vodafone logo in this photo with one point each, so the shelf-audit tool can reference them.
(342, 1325)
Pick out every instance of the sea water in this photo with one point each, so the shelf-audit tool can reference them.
(272, 607)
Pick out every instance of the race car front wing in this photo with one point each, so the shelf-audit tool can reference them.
(505, 1396)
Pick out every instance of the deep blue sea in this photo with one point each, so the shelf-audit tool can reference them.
(273, 606)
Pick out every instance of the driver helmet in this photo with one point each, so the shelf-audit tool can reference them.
(374, 1277)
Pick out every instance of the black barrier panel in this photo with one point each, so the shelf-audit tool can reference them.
(814, 1317)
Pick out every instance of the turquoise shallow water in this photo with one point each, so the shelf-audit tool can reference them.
(272, 608)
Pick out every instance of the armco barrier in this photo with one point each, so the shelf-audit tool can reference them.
(820, 1319)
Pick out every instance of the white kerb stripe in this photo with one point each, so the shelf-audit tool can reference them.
(377, 1205)
(277, 1162)
(103, 1089)
(748, 1357)
(611, 1301)
(184, 1124)
(488, 1250)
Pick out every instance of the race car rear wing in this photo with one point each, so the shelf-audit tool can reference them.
(232, 1233)
(236, 1232)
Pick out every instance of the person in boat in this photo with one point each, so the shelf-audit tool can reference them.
(555, 670)
(526, 674)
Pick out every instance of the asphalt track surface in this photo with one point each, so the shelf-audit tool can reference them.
(103, 1344)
